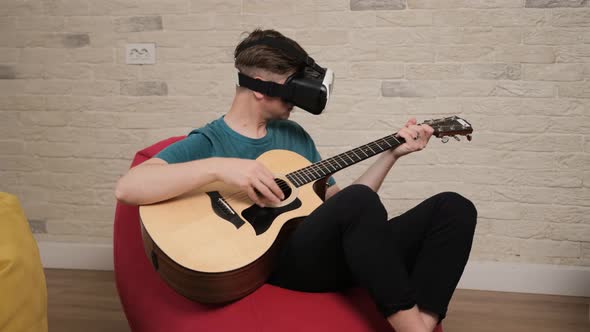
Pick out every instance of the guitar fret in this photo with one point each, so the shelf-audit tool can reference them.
(316, 171)
(389, 145)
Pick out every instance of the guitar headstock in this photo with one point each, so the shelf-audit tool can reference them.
(450, 127)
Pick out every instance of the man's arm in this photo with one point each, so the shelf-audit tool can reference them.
(155, 180)
(375, 174)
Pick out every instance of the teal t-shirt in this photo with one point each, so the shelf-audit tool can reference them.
(217, 139)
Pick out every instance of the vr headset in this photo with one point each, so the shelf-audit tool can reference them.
(308, 88)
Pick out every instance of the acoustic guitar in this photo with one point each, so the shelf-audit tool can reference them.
(214, 245)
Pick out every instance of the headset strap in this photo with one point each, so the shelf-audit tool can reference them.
(267, 88)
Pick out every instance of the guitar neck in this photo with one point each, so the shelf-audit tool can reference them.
(334, 164)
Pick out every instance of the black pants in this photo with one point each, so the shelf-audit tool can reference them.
(415, 258)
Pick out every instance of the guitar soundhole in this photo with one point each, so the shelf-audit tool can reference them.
(285, 188)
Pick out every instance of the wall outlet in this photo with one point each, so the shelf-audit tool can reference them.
(38, 226)
(141, 54)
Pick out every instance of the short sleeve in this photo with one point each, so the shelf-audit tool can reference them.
(193, 147)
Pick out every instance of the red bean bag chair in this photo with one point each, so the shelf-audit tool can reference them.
(150, 305)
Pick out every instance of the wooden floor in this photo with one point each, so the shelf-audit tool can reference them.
(87, 301)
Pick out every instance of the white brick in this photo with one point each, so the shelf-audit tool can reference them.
(10, 181)
(526, 106)
(67, 71)
(571, 196)
(21, 103)
(43, 118)
(433, 71)
(520, 229)
(575, 90)
(553, 72)
(21, 8)
(411, 89)
(377, 5)
(307, 6)
(79, 226)
(11, 147)
(66, 8)
(322, 37)
(525, 54)
(92, 55)
(45, 55)
(19, 163)
(567, 214)
(492, 17)
(347, 20)
(100, 24)
(496, 88)
(552, 36)
(188, 72)
(9, 55)
(263, 7)
(495, 245)
(215, 6)
(573, 160)
(115, 72)
(189, 22)
(21, 71)
(579, 53)
(532, 124)
(409, 18)
(196, 55)
(547, 248)
(40, 23)
(145, 7)
(483, 4)
(492, 71)
(492, 36)
(531, 142)
(578, 17)
(376, 70)
(359, 87)
(200, 87)
(96, 88)
(406, 54)
(283, 22)
(48, 87)
(464, 53)
(570, 232)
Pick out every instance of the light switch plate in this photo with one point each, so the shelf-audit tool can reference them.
(141, 54)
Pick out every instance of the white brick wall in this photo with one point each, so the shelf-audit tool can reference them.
(73, 114)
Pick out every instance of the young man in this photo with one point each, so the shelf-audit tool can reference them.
(410, 264)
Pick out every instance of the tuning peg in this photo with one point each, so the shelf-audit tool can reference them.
(457, 138)
(469, 138)
(444, 139)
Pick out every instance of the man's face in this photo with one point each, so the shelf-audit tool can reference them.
(275, 107)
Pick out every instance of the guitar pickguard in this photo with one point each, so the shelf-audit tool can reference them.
(262, 218)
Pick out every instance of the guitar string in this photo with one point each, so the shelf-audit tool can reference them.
(308, 171)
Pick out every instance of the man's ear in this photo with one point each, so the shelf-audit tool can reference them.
(258, 95)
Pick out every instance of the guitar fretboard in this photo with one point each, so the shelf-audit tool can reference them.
(334, 164)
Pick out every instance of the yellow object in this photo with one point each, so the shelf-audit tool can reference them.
(23, 292)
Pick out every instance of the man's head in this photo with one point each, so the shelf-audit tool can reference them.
(268, 64)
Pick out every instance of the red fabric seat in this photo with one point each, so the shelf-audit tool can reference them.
(150, 305)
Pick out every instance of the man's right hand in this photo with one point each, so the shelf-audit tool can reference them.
(252, 177)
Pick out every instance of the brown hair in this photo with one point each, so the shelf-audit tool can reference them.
(265, 57)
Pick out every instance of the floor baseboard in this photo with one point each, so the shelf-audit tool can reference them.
(493, 276)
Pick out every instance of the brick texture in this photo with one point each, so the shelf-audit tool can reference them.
(73, 113)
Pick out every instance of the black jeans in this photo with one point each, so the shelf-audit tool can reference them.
(416, 258)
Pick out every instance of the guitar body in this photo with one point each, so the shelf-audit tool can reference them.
(214, 245)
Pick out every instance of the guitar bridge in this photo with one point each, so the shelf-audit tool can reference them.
(223, 210)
